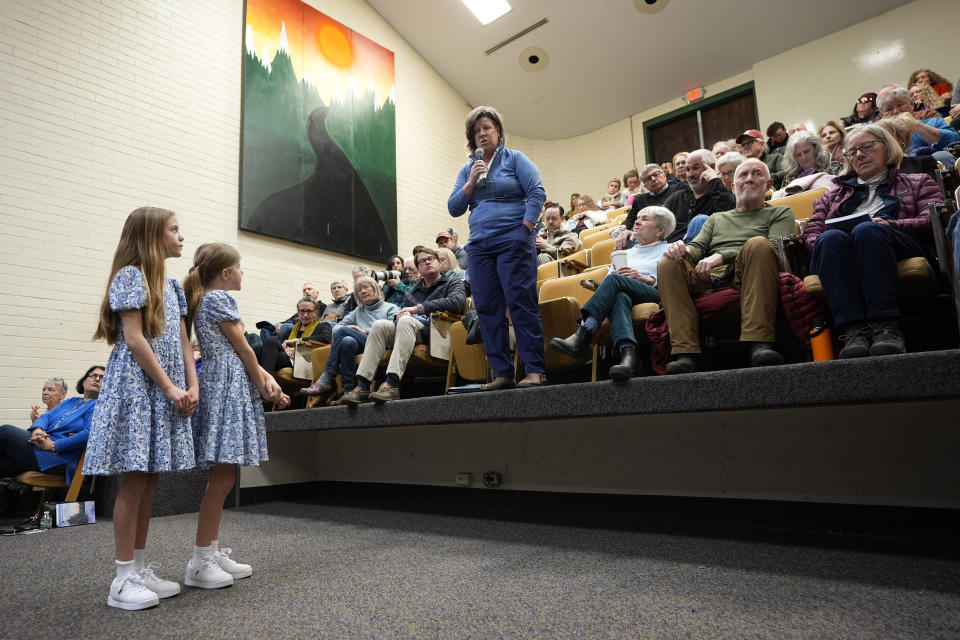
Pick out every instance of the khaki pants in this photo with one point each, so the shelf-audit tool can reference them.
(401, 337)
(755, 270)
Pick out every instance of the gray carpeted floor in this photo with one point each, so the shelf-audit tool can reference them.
(338, 572)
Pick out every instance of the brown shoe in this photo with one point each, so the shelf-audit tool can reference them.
(533, 380)
(498, 384)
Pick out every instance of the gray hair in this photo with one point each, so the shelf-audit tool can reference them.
(57, 382)
(664, 218)
(370, 281)
(307, 299)
(361, 268)
(706, 157)
(731, 157)
(341, 282)
(650, 167)
(805, 137)
(897, 93)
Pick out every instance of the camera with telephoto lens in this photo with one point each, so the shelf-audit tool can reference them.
(383, 276)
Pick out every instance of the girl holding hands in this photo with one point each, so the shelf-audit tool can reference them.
(141, 424)
(228, 426)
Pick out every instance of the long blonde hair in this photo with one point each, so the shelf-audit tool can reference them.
(209, 260)
(451, 259)
(141, 246)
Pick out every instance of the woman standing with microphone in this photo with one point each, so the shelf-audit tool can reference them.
(504, 193)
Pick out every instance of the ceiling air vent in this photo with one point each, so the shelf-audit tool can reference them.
(515, 36)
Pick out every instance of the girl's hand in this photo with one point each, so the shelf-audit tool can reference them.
(193, 395)
(272, 391)
(283, 402)
(178, 397)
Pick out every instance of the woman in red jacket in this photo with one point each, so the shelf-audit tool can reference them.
(876, 217)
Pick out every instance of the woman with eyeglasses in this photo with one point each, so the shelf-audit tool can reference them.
(54, 441)
(876, 217)
(53, 392)
(864, 110)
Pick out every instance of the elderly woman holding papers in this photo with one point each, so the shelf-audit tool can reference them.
(876, 217)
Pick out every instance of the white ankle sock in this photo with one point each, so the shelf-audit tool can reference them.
(215, 546)
(125, 568)
(138, 561)
(201, 552)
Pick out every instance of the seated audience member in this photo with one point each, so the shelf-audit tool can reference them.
(445, 241)
(925, 97)
(573, 202)
(864, 110)
(669, 172)
(931, 136)
(554, 238)
(720, 148)
(611, 199)
(632, 187)
(753, 147)
(619, 291)
(659, 190)
(807, 165)
(777, 137)
(341, 299)
(796, 127)
(278, 351)
(309, 289)
(53, 392)
(709, 195)
(587, 216)
(858, 267)
(727, 166)
(434, 292)
(448, 265)
(54, 442)
(939, 84)
(680, 165)
(832, 134)
(735, 146)
(350, 336)
(394, 288)
(410, 272)
(734, 247)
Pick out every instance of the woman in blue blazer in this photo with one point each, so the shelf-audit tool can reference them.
(54, 442)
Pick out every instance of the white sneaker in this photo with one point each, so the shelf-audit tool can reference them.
(130, 593)
(206, 574)
(235, 569)
(163, 588)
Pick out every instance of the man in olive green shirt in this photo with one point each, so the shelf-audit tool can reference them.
(733, 247)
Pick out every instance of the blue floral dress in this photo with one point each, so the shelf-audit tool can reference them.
(134, 426)
(228, 426)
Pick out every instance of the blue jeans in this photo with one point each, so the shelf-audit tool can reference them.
(614, 299)
(694, 226)
(858, 270)
(503, 273)
(347, 343)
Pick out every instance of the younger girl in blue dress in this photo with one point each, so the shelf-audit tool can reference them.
(141, 424)
(228, 427)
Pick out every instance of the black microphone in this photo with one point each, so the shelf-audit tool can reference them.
(482, 180)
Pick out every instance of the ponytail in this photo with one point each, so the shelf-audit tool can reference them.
(209, 260)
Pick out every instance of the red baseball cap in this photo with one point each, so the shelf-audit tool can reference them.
(445, 234)
(748, 135)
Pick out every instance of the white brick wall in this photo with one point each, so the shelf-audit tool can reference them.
(108, 105)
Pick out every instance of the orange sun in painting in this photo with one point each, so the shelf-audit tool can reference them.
(331, 55)
(335, 46)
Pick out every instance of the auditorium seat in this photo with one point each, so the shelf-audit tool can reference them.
(801, 203)
(560, 302)
(600, 254)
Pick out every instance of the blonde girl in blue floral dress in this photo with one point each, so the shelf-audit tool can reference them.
(141, 424)
(228, 427)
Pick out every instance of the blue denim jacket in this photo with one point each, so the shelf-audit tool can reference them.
(514, 193)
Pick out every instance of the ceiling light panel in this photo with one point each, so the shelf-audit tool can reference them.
(486, 11)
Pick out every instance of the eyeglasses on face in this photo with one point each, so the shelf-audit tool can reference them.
(651, 176)
(863, 148)
(426, 260)
(96, 376)
(306, 310)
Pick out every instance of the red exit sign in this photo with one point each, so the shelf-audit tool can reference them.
(693, 95)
